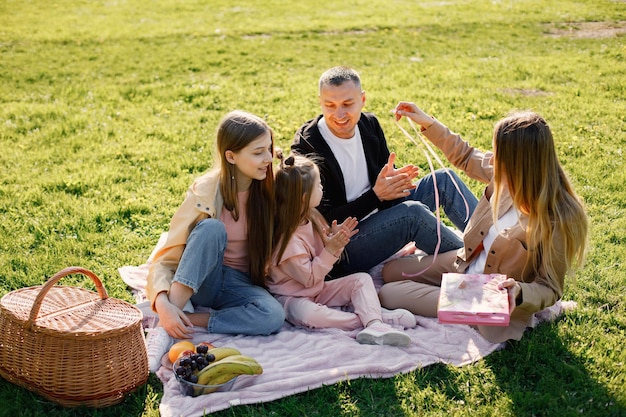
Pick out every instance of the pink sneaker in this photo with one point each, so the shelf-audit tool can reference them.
(382, 334)
(399, 317)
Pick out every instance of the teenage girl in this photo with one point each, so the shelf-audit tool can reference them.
(305, 250)
(219, 245)
(529, 224)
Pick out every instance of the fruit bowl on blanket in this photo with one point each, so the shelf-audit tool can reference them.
(215, 370)
(189, 381)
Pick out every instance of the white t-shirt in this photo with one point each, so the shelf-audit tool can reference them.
(351, 158)
(508, 219)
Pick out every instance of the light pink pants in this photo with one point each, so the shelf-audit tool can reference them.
(346, 303)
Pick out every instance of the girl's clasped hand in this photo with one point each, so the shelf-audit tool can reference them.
(339, 235)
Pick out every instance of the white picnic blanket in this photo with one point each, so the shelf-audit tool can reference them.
(296, 360)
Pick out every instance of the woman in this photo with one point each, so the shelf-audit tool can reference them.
(529, 223)
(219, 245)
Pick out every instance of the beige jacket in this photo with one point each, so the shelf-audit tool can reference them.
(203, 200)
(508, 253)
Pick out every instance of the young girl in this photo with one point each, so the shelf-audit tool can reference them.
(219, 245)
(529, 224)
(305, 249)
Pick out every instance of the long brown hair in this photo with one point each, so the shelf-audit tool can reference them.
(236, 131)
(294, 182)
(526, 161)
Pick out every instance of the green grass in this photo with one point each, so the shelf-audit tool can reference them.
(108, 111)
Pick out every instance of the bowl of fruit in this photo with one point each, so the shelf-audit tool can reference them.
(206, 368)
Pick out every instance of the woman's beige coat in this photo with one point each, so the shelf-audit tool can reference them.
(203, 200)
(509, 252)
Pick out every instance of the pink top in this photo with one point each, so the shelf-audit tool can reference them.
(236, 254)
(303, 267)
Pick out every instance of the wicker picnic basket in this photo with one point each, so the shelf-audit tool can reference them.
(71, 345)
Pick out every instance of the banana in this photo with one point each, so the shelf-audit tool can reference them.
(223, 352)
(218, 380)
(234, 364)
(252, 367)
(222, 371)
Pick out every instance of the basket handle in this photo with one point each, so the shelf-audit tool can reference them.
(34, 312)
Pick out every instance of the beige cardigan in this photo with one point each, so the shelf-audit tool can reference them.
(203, 200)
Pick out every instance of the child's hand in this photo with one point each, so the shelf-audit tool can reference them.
(336, 242)
(348, 226)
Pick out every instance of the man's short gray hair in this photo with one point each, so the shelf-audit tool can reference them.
(338, 75)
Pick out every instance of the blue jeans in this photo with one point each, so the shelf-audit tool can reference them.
(386, 232)
(237, 306)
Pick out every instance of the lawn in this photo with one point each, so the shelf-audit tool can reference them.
(108, 111)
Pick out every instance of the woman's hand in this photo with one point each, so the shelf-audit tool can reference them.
(410, 110)
(513, 289)
(172, 319)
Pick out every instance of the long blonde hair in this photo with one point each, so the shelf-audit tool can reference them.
(293, 186)
(236, 131)
(526, 161)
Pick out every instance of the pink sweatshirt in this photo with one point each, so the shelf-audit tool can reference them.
(303, 266)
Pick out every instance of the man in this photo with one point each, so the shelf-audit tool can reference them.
(360, 180)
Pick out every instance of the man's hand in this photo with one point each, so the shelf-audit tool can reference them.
(394, 183)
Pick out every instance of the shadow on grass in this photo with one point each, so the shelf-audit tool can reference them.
(542, 377)
(19, 402)
(537, 376)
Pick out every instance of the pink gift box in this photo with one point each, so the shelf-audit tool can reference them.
(473, 299)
